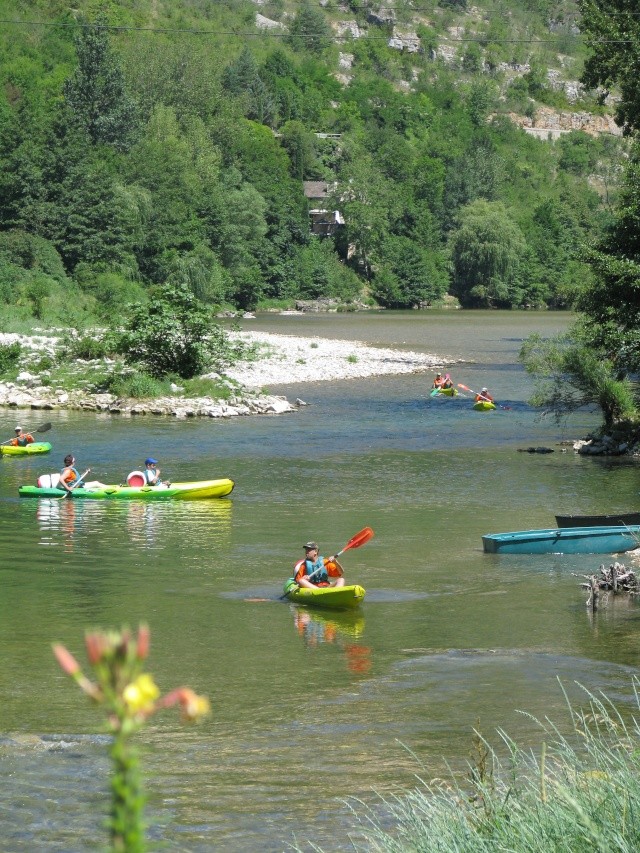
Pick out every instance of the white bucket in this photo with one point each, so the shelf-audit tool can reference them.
(48, 481)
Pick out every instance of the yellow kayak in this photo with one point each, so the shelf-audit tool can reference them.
(337, 597)
(27, 450)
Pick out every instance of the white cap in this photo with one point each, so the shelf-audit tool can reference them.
(18, 429)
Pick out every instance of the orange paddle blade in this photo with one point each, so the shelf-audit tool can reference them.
(359, 539)
(464, 387)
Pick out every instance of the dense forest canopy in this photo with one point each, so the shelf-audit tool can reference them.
(145, 144)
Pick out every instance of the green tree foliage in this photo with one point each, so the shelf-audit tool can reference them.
(571, 375)
(173, 334)
(612, 32)
(95, 94)
(178, 155)
(488, 253)
(309, 30)
(408, 276)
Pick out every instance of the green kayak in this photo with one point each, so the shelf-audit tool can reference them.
(176, 492)
(484, 406)
(337, 597)
(34, 447)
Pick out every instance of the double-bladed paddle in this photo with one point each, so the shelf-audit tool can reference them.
(360, 538)
(44, 428)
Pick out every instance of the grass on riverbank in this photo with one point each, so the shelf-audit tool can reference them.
(576, 793)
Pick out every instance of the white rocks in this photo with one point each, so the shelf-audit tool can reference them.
(288, 359)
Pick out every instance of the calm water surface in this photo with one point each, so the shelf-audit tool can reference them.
(308, 708)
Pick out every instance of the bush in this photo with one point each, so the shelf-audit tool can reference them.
(9, 356)
(138, 386)
(174, 334)
(86, 347)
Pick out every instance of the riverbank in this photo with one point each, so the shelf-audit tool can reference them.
(278, 360)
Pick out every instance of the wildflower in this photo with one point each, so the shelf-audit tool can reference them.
(141, 694)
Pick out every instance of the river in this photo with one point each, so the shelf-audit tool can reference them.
(308, 709)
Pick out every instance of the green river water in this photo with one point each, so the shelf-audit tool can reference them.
(308, 709)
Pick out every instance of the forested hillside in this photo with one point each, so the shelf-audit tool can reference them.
(154, 141)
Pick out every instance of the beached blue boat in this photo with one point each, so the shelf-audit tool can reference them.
(565, 540)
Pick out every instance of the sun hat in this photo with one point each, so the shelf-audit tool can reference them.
(18, 429)
(150, 461)
(485, 388)
(311, 546)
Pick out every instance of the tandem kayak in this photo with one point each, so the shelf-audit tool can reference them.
(444, 392)
(176, 491)
(484, 406)
(34, 447)
(337, 597)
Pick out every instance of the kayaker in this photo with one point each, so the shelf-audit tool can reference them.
(69, 477)
(484, 397)
(314, 570)
(152, 473)
(447, 382)
(22, 438)
(438, 382)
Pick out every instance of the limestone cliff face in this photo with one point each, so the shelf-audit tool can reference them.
(549, 123)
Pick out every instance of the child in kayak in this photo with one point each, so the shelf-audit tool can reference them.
(313, 570)
(152, 473)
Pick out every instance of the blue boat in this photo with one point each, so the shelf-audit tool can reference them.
(565, 540)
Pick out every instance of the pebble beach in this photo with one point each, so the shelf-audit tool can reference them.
(279, 360)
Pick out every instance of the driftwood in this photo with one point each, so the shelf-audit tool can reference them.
(617, 578)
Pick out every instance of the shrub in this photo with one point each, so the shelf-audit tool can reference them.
(86, 347)
(9, 356)
(138, 386)
(174, 334)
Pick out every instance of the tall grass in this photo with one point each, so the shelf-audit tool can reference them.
(573, 793)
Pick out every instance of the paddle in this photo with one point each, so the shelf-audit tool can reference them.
(481, 395)
(76, 484)
(356, 541)
(44, 428)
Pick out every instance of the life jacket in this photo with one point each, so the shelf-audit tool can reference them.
(333, 569)
(300, 571)
(72, 474)
(22, 440)
(438, 383)
(149, 475)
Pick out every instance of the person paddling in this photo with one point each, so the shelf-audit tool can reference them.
(447, 383)
(22, 439)
(484, 397)
(313, 570)
(438, 382)
(70, 477)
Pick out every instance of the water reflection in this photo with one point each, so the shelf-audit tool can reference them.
(66, 522)
(317, 628)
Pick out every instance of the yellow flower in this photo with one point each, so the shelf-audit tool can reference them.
(141, 694)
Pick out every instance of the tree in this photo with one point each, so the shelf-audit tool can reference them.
(411, 276)
(95, 94)
(571, 375)
(487, 252)
(173, 334)
(309, 30)
(612, 32)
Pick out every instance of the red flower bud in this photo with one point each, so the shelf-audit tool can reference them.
(66, 660)
(144, 639)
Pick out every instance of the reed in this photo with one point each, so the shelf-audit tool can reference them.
(575, 792)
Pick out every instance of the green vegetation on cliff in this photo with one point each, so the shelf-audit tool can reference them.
(152, 143)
